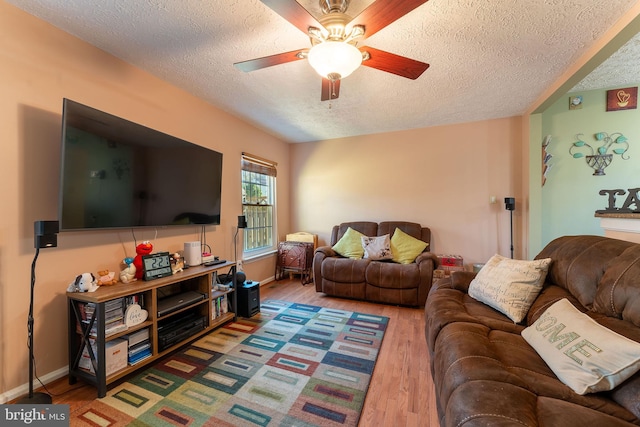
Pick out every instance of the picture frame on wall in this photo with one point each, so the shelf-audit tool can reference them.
(622, 99)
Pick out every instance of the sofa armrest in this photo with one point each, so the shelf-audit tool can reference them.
(461, 280)
(425, 257)
(427, 262)
(319, 255)
(326, 251)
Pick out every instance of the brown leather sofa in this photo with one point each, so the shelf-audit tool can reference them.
(485, 373)
(376, 281)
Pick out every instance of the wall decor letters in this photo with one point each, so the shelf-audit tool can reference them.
(631, 203)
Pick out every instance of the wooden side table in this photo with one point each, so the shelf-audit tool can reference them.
(296, 257)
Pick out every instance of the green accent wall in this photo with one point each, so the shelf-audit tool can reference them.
(569, 198)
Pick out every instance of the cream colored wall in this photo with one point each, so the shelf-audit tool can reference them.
(40, 66)
(441, 177)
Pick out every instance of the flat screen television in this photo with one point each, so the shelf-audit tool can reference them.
(119, 174)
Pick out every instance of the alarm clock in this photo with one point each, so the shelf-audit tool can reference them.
(156, 265)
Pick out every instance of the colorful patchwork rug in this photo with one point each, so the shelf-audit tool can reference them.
(291, 365)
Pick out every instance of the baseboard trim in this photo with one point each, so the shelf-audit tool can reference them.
(23, 390)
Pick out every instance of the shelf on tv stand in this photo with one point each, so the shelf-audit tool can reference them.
(194, 278)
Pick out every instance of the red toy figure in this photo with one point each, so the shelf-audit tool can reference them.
(144, 248)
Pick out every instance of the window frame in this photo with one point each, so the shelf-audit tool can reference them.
(258, 173)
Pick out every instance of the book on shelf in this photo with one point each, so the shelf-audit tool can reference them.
(139, 357)
(138, 346)
(134, 299)
(138, 336)
(219, 306)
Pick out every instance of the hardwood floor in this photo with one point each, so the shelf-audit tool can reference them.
(401, 392)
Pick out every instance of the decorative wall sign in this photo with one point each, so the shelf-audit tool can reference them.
(622, 99)
(134, 315)
(600, 158)
(575, 102)
(631, 202)
(546, 158)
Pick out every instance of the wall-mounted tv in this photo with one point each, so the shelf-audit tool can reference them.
(119, 174)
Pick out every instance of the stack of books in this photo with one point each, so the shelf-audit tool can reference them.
(134, 299)
(139, 346)
(220, 306)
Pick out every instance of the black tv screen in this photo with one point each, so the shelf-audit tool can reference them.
(119, 174)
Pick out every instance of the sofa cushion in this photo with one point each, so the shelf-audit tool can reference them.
(376, 248)
(618, 293)
(580, 262)
(350, 244)
(392, 275)
(344, 270)
(508, 285)
(582, 353)
(406, 248)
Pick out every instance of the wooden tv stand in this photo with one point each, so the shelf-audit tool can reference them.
(91, 314)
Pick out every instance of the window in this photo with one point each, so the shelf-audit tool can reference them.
(258, 204)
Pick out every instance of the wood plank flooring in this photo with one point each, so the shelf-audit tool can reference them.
(401, 392)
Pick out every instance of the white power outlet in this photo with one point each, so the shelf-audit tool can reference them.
(239, 265)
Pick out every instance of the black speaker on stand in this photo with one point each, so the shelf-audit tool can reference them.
(45, 236)
(510, 205)
(237, 275)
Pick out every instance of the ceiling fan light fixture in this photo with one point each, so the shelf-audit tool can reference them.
(333, 58)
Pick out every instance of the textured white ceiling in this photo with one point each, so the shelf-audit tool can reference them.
(489, 59)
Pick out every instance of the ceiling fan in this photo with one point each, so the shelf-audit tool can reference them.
(334, 53)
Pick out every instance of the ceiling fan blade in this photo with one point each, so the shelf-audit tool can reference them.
(269, 61)
(382, 13)
(330, 89)
(294, 13)
(395, 64)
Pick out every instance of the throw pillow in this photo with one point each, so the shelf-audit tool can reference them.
(376, 248)
(350, 244)
(508, 285)
(583, 354)
(405, 248)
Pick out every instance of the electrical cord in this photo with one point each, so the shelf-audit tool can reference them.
(203, 239)
(35, 375)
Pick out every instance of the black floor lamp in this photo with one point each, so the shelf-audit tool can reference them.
(510, 205)
(45, 236)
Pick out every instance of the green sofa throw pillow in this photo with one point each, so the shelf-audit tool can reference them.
(350, 244)
(406, 248)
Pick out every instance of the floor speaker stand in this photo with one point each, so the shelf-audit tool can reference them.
(33, 398)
